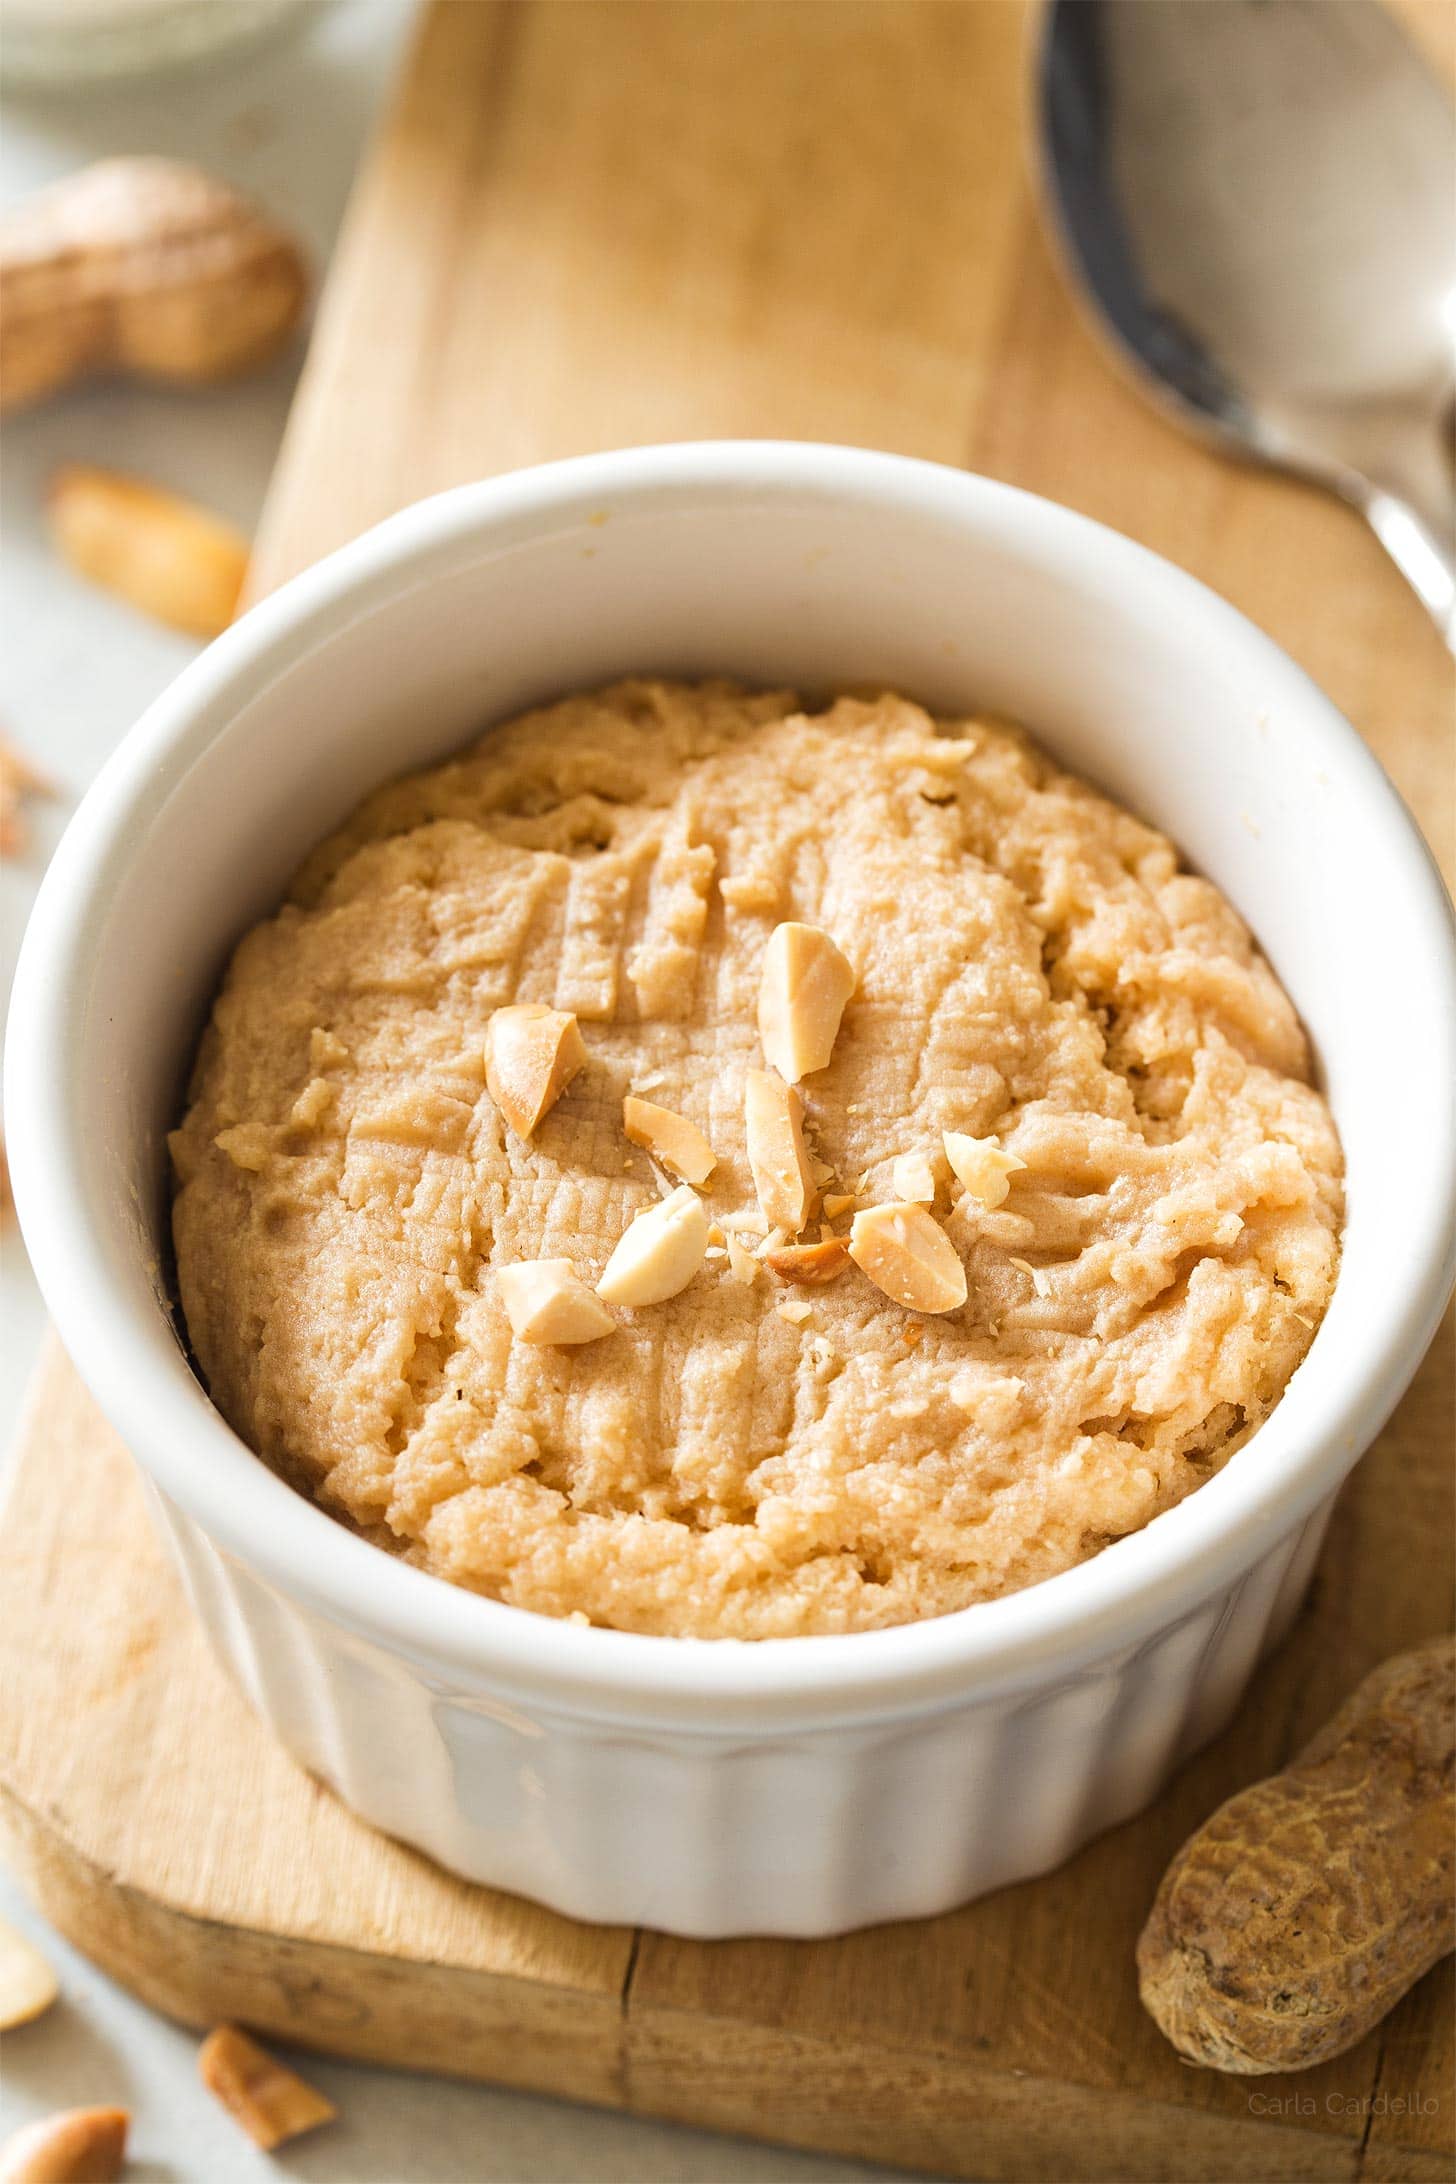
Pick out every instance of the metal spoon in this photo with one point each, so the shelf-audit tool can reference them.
(1257, 202)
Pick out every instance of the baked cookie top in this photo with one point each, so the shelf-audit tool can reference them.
(753, 1455)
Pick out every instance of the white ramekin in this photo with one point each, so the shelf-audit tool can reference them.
(802, 1785)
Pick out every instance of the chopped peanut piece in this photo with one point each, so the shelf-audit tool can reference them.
(905, 1251)
(811, 1263)
(750, 891)
(914, 1179)
(670, 1138)
(983, 1165)
(795, 1314)
(79, 2146)
(742, 1265)
(27, 1984)
(546, 1301)
(175, 561)
(270, 2101)
(773, 1115)
(531, 1055)
(838, 1202)
(19, 779)
(658, 1253)
(804, 986)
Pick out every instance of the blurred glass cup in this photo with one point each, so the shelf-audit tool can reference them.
(55, 43)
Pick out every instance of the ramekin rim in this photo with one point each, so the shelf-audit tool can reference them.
(1116, 1599)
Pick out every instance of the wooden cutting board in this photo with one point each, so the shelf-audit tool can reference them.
(585, 225)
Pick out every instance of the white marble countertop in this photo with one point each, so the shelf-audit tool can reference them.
(289, 122)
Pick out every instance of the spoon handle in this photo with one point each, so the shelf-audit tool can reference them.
(1423, 558)
(1406, 492)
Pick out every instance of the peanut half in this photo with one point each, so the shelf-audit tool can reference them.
(659, 1253)
(670, 1138)
(270, 2101)
(175, 561)
(983, 1165)
(773, 1116)
(78, 2146)
(809, 1263)
(27, 1984)
(546, 1301)
(531, 1055)
(905, 1251)
(803, 988)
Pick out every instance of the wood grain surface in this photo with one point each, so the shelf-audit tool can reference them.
(585, 225)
